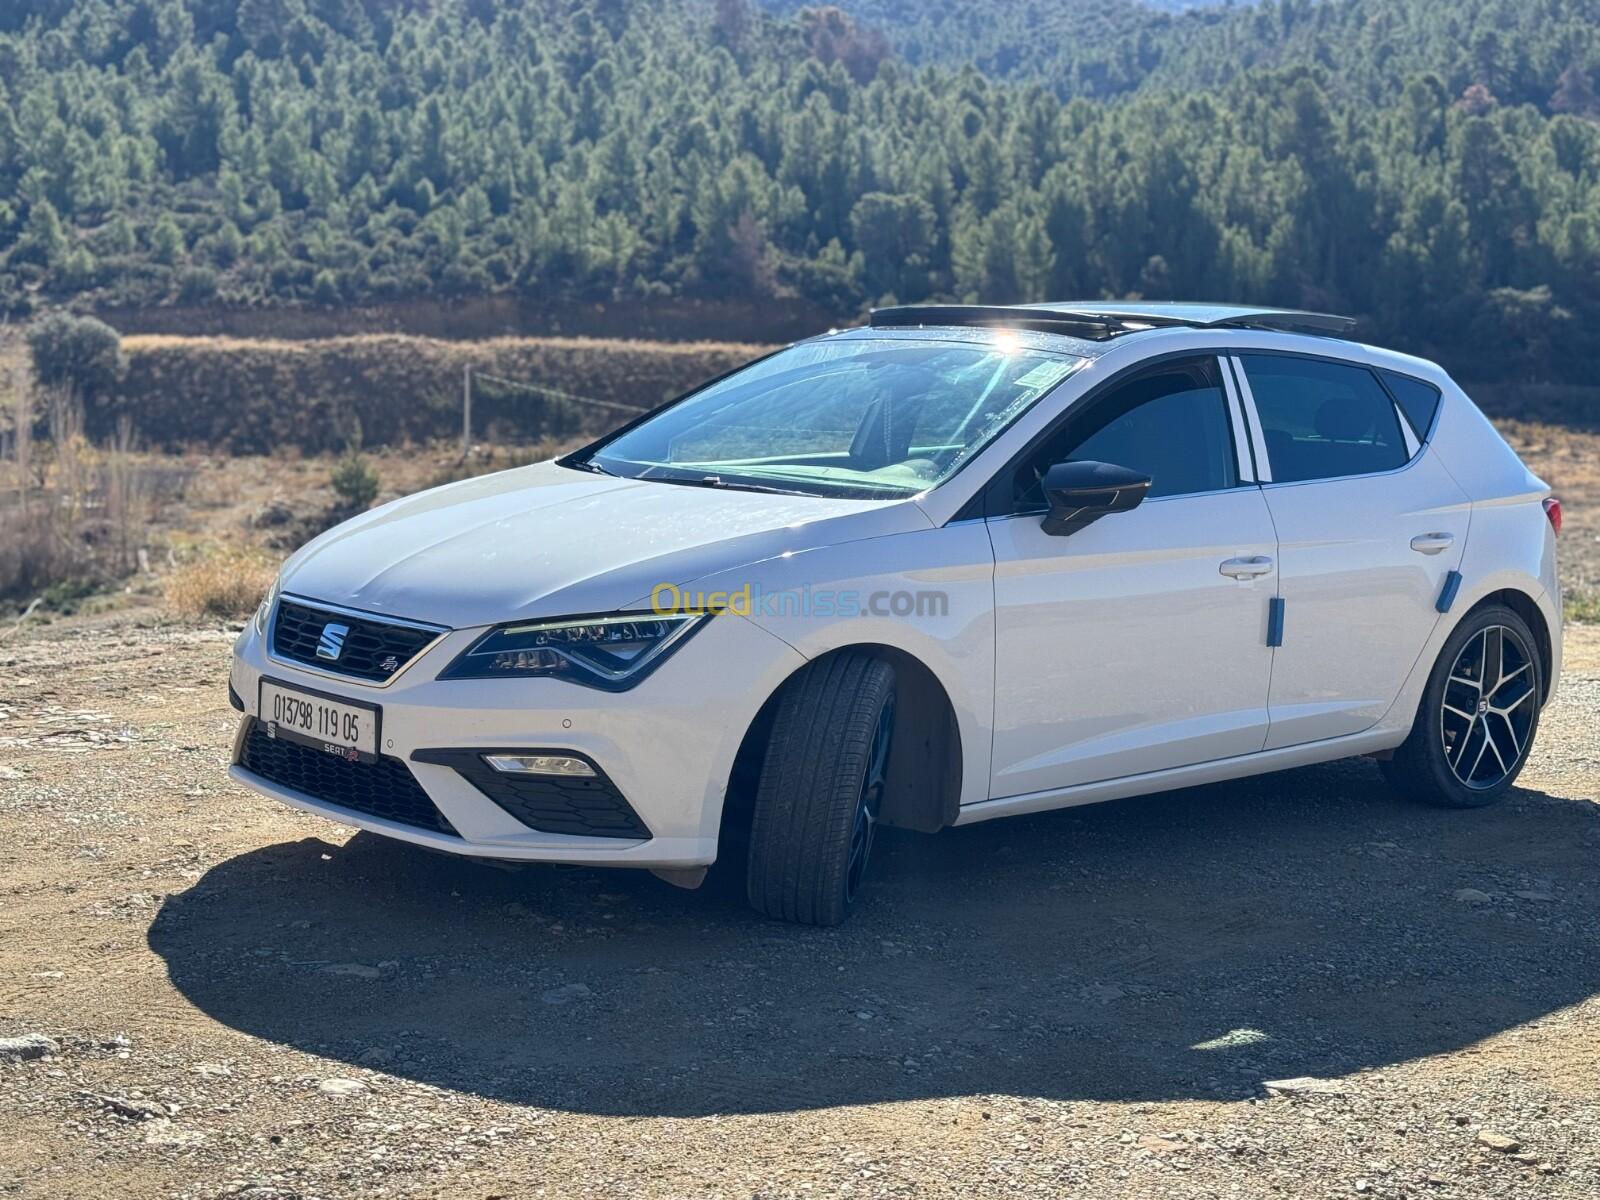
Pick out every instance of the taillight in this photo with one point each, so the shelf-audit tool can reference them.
(1552, 509)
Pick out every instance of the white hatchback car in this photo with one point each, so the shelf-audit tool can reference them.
(958, 564)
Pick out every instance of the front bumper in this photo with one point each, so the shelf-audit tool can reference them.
(667, 745)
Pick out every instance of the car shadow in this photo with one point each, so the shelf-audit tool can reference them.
(1188, 945)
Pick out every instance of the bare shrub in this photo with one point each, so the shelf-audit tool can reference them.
(33, 557)
(70, 473)
(128, 490)
(73, 516)
(225, 582)
(22, 436)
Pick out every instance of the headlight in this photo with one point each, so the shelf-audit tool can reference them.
(612, 653)
(265, 611)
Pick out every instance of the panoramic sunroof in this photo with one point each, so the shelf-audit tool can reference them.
(1099, 322)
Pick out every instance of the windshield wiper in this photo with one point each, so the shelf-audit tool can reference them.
(717, 481)
(586, 464)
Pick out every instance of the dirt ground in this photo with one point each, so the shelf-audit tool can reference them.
(248, 1001)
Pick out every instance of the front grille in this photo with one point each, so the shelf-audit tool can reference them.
(578, 805)
(372, 649)
(385, 788)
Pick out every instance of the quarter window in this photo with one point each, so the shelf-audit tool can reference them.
(1323, 420)
(1418, 400)
(1170, 423)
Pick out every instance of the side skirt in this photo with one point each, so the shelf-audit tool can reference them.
(1260, 763)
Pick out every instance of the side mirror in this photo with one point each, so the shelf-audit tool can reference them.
(1080, 493)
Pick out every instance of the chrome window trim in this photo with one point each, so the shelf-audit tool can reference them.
(1400, 470)
(1036, 513)
(440, 632)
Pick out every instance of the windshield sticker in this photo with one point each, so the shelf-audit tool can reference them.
(1046, 374)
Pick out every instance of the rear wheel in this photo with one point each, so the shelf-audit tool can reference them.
(1478, 716)
(821, 790)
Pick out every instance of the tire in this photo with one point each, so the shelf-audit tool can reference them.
(816, 805)
(1451, 761)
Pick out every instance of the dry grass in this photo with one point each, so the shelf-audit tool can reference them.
(226, 582)
(74, 517)
(139, 342)
(255, 396)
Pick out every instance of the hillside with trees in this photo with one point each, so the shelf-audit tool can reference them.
(1434, 168)
(1541, 52)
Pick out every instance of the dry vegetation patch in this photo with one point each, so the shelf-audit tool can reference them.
(226, 582)
(247, 396)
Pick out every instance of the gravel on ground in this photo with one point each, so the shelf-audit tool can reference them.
(1293, 986)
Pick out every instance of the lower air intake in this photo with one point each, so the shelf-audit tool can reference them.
(385, 789)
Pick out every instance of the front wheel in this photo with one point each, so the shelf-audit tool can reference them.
(1478, 715)
(821, 789)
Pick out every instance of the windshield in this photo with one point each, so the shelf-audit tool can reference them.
(842, 417)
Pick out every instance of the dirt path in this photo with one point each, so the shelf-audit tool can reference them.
(1084, 1003)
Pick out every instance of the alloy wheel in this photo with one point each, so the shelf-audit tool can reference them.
(1490, 702)
(871, 801)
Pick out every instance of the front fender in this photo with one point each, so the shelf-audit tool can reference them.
(927, 593)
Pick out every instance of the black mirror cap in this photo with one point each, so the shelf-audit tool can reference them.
(1080, 493)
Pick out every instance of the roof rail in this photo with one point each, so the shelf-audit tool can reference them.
(1100, 321)
(1289, 321)
(983, 316)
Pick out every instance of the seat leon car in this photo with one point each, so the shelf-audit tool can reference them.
(959, 563)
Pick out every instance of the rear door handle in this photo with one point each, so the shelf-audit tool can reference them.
(1246, 568)
(1432, 543)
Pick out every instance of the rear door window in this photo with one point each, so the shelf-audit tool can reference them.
(1323, 420)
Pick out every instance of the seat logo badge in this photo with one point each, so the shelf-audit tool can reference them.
(1483, 706)
(331, 644)
(389, 665)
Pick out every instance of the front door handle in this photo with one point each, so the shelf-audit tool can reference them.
(1432, 543)
(1246, 568)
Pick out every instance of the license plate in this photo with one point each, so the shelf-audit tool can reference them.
(331, 723)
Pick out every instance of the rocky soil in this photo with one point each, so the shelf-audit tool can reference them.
(1296, 986)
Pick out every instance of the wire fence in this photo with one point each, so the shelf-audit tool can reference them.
(557, 393)
(471, 379)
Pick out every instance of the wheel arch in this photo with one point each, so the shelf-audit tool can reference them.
(1525, 606)
(925, 761)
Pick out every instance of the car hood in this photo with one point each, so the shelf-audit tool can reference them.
(548, 540)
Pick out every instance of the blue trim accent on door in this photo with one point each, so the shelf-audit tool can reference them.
(1275, 621)
(1452, 585)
